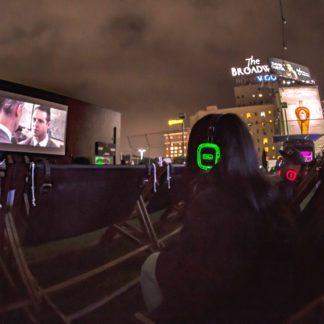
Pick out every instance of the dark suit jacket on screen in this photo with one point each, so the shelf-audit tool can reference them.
(4, 137)
(29, 141)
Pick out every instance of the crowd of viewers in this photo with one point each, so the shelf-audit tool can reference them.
(234, 260)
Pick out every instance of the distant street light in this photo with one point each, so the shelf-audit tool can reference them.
(142, 151)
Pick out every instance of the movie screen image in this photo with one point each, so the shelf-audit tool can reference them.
(32, 125)
(304, 113)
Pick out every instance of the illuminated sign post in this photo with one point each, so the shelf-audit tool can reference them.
(172, 122)
(254, 67)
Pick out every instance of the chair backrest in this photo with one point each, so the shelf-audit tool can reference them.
(168, 194)
(75, 199)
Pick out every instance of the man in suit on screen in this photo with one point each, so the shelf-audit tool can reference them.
(10, 115)
(40, 127)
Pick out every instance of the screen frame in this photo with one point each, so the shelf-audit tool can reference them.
(29, 149)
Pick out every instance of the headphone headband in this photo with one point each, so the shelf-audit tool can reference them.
(208, 153)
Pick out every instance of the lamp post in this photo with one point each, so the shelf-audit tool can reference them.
(141, 151)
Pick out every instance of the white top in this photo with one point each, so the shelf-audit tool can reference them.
(43, 143)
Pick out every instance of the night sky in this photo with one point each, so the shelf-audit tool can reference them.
(152, 59)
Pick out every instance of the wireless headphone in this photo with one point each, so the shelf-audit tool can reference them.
(209, 153)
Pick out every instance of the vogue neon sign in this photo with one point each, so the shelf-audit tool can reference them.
(253, 67)
(266, 78)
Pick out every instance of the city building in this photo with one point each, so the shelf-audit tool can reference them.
(176, 144)
(268, 98)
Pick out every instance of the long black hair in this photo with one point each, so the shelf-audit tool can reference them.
(238, 163)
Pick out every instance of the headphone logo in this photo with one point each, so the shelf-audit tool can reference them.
(291, 175)
(208, 155)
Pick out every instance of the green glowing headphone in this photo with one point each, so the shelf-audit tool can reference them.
(208, 153)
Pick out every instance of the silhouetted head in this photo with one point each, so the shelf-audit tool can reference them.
(237, 152)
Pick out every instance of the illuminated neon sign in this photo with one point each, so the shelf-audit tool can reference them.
(307, 155)
(253, 67)
(172, 122)
(266, 78)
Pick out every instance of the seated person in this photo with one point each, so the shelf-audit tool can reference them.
(40, 128)
(232, 261)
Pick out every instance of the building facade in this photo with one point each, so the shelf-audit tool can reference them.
(176, 144)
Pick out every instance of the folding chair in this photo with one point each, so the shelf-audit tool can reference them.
(68, 200)
(164, 192)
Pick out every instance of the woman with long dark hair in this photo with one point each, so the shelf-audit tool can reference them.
(232, 260)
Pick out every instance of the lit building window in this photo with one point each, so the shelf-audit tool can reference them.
(265, 140)
(269, 112)
(248, 115)
(266, 149)
(253, 95)
(270, 121)
(273, 148)
(260, 95)
(273, 157)
(262, 114)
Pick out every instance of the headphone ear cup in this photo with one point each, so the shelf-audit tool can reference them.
(208, 155)
(291, 172)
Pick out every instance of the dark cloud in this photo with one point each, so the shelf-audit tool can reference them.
(128, 30)
(152, 59)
